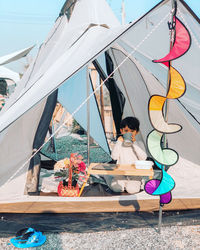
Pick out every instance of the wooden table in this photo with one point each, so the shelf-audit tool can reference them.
(111, 169)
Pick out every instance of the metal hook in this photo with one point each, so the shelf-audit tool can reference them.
(172, 25)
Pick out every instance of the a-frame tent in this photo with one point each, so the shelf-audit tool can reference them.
(131, 50)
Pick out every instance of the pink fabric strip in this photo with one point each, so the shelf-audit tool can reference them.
(181, 45)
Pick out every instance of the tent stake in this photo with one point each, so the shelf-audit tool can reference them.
(160, 219)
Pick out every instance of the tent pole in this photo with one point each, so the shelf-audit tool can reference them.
(173, 2)
(102, 103)
(54, 140)
(88, 115)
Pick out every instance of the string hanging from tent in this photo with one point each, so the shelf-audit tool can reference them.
(162, 155)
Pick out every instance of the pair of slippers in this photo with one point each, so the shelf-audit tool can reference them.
(28, 237)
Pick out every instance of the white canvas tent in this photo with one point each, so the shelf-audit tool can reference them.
(70, 46)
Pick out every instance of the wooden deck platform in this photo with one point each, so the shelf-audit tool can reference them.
(103, 205)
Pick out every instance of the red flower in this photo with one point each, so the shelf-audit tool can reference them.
(75, 158)
(81, 166)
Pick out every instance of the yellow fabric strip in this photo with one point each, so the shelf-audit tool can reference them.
(177, 84)
(156, 102)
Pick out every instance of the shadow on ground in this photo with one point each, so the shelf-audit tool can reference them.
(94, 222)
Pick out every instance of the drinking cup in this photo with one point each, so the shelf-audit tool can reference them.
(127, 139)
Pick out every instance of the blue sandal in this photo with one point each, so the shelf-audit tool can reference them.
(28, 237)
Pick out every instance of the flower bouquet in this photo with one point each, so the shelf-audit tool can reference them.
(74, 174)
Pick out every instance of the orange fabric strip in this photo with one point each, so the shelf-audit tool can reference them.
(156, 102)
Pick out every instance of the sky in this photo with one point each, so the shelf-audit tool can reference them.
(24, 23)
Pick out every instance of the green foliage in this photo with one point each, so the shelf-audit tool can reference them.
(62, 173)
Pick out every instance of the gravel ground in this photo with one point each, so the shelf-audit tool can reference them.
(139, 230)
(174, 237)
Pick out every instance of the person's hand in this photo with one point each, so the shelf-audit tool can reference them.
(120, 138)
(133, 136)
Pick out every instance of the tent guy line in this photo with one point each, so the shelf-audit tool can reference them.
(86, 100)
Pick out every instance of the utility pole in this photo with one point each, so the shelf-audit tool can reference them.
(123, 14)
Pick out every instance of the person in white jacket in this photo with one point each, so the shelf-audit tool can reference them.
(126, 155)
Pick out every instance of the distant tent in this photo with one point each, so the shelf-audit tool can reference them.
(15, 55)
(7, 76)
(6, 73)
(70, 46)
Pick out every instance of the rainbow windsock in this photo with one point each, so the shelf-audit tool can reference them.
(166, 156)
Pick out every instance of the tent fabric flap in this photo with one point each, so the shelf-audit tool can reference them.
(71, 95)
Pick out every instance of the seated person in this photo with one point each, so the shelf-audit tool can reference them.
(126, 155)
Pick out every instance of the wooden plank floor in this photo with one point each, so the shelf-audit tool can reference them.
(97, 206)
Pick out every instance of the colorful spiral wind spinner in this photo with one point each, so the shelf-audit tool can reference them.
(162, 155)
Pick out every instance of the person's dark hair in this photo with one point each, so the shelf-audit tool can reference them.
(131, 122)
